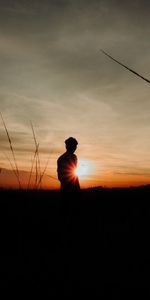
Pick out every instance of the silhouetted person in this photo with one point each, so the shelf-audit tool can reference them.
(66, 165)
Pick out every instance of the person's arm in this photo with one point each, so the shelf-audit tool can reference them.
(59, 173)
(75, 160)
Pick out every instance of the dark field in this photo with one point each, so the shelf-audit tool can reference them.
(102, 249)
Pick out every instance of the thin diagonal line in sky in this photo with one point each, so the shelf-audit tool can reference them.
(129, 69)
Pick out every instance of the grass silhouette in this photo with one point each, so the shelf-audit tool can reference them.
(16, 171)
(35, 163)
(38, 167)
(32, 166)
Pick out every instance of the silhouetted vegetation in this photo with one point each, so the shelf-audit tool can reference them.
(35, 164)
(101, 248)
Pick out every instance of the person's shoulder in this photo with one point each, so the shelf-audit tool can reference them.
(61, 157)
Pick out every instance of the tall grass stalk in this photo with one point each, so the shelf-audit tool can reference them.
(12, 167)
(12, 150)
(41, 177)
(51, 177)
(32, 165)
(38, 166)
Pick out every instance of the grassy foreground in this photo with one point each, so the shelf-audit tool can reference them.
(101, 249)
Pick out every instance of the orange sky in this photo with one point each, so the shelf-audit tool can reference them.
(8, 180)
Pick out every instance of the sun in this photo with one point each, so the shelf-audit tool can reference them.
(83, 169)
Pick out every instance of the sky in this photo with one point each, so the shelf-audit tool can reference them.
(53, 74)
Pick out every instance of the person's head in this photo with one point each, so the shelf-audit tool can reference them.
(71, 144)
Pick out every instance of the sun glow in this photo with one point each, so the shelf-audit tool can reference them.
(83, 169)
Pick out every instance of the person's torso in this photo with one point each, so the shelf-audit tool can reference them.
(66, 166)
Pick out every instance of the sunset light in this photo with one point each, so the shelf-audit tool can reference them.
(84, 168)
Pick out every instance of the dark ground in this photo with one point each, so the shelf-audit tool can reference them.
(104, 250)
